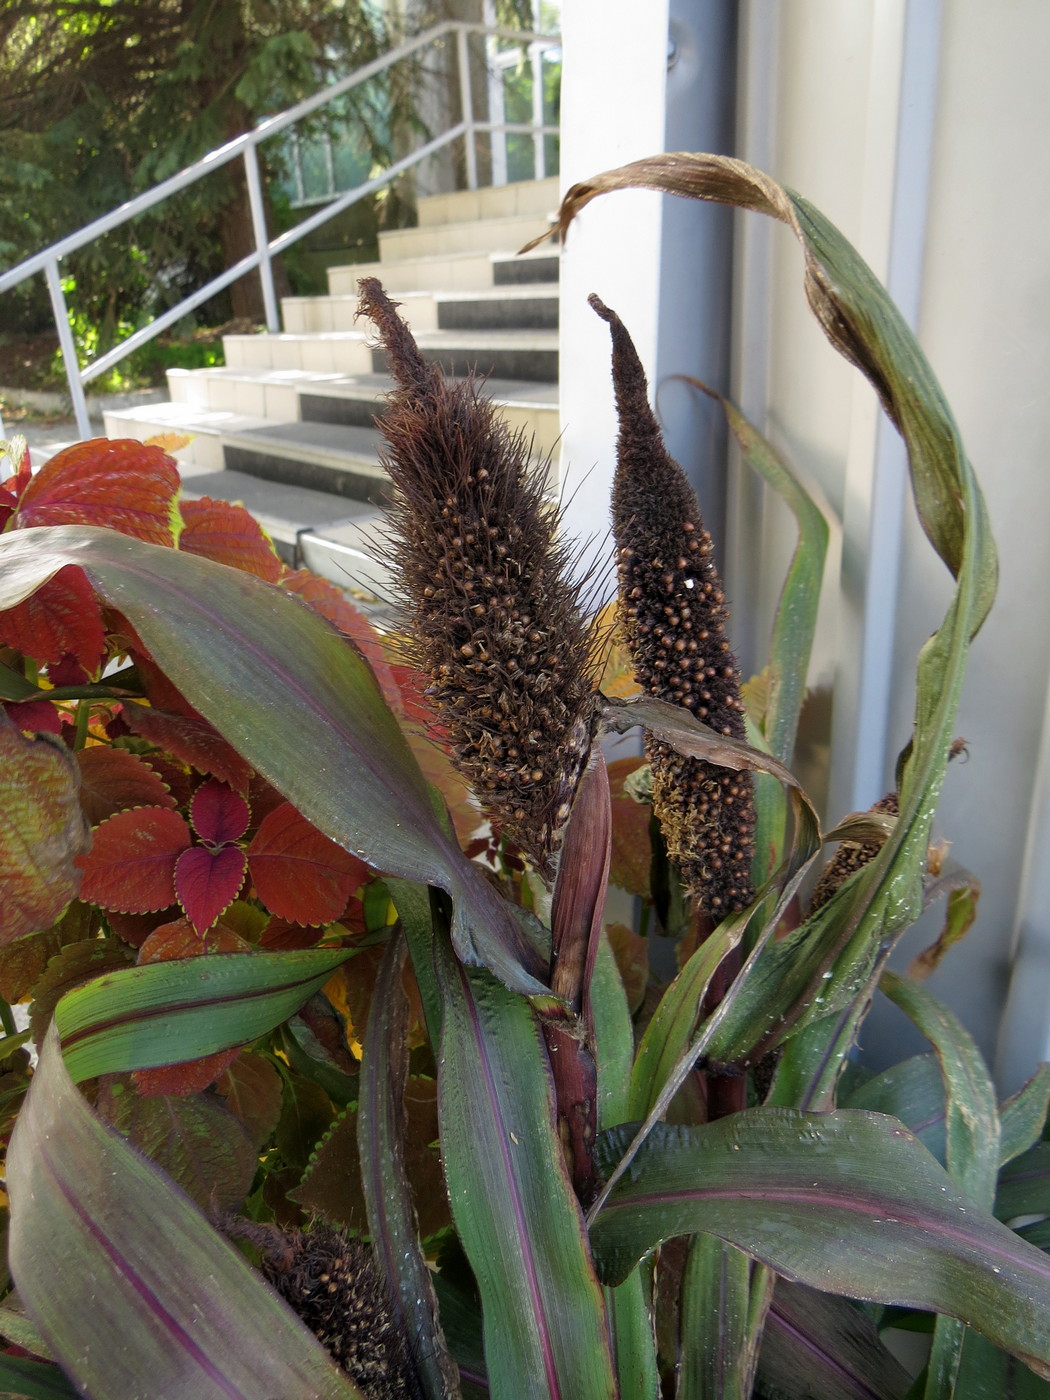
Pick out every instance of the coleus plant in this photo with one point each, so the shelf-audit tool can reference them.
(573, 1178)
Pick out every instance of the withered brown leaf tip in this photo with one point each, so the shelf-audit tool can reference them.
(673, 614)
(492, 614)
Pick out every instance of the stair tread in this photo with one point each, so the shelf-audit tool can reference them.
(275, 504)
(524, 291)
(425, 259)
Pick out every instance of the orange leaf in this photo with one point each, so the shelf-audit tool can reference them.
(42, 832)
(169, 442)
(61, 618)
(632, 852)
(131, 866)
(225, 532)
(123, 485)
(114, 780)
(298, 873)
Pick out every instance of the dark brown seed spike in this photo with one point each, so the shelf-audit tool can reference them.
(684, 658)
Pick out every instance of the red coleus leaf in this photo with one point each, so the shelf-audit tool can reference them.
(207, 882)
(61, 616)
(192, 740)
(123, 485)
(299, 874)
(218, 814)
(225, 532)
(131, 865)
(36, 716)
(114, 780)
(42, 831)
(134, 929)
(282, 936)
(180, 940)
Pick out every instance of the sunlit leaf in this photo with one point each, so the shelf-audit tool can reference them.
(169, 1012)
(225, 532)
(179, 939)
(123, 485)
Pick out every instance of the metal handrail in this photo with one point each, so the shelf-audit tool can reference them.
(245, 146)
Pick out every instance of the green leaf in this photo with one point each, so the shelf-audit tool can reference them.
(1024, 1184)
(846, 1202)
(544, 1320)
(713, 1361)
(33, 1380)
(392, 1221)
(912, 1091)
(824, 1348)
(296, 701)
(986, 1373)
(972, 1117)
(172, 1309)
(674, 1023)
(166, 1013)
(1023, 1117)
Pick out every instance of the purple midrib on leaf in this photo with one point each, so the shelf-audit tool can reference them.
(124, 1266)
(847, 1374)
(829, 1200)
(523, 1234)
(147, 1013)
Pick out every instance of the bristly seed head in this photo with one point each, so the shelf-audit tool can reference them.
(673, 614)
(492, 614)
(331, 1281)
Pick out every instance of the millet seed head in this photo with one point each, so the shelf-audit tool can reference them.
(491, 611)
(672, 611)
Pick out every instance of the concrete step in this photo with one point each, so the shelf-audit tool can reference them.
(532, 197)
(530, 408)
(477, 236)
(457, 271)
(531, 355)
(526, 307)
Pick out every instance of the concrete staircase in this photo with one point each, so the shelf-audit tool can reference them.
(286, 426)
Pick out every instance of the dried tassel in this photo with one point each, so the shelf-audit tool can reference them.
(491, 612)
(673, 615)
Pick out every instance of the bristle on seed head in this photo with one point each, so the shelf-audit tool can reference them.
(491, 610)
(673, 614)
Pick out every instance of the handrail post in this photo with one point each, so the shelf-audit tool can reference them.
(68, 347)
(262, 237)
(467, 100)
(538, 138)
